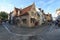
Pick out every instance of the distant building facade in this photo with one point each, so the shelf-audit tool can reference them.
(48, 17)
(58, 11)
(58, 14)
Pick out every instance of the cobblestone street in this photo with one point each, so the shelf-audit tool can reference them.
(48, 32)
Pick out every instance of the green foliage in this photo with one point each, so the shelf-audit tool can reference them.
(3, 15)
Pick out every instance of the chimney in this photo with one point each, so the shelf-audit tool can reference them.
(40, 9)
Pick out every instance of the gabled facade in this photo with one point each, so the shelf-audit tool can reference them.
(27, 16)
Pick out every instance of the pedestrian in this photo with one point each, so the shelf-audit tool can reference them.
(56, 22)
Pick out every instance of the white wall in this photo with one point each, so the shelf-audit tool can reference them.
(41, 15)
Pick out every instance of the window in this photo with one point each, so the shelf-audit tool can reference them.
(32, 20)
(18, 12)
(32, 13)
(24, 20)
(46, 15)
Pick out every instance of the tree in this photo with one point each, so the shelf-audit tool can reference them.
(3, 15)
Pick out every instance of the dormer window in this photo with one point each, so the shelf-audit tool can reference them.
(18, 12)
(32, 13)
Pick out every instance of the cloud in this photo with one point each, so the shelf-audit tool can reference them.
(40, 3)
(44, 4)
(6, 7)
(49, 2)
(48, 5)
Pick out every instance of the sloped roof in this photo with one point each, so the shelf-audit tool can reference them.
(26, 9)
(16, 9)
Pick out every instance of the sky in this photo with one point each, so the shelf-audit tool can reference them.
(47, 5)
